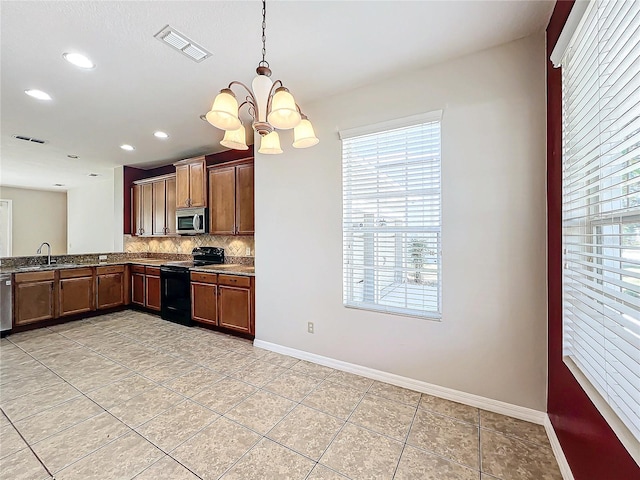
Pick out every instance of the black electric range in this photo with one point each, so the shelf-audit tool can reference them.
(175, 281)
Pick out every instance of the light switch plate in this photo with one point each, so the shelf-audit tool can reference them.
(102, 257)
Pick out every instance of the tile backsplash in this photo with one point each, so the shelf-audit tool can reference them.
(234, 246)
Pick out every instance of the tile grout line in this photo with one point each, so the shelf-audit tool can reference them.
(406, 437)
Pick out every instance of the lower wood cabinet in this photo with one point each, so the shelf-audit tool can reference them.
(34, 297)
(110, 285)
(145, 287)
(153, 289)
(75, 291)
(223, 300)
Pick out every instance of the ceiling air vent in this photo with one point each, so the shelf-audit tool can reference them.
(181, 43)
(29, 139)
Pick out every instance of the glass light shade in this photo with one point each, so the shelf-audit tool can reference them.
(284, 113)
(235, 139)
(261, 87)
(270, 144)
(224, 112)
(303, 135)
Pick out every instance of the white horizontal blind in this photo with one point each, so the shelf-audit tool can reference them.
(601, 204)
(391, 220)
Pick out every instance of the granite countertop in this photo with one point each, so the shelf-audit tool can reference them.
(232, 269)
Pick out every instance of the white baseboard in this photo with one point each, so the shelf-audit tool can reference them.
(496, 406)
(565, 470)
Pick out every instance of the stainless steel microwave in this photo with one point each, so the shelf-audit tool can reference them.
(192, 221)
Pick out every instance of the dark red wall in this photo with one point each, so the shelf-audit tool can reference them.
(592, 449)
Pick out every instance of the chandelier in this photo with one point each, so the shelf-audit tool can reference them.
(270, 105)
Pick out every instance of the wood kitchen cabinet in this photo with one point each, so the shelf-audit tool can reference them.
(191, 183)
(75, 291)
(223, 300)
(110, 286)
(154, 206)
(34, 297)
(145, 286)
(231, 199)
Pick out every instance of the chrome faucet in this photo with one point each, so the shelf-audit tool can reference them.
(48, 252)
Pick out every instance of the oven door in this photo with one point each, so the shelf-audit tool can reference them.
(191, 221)
(176, 295)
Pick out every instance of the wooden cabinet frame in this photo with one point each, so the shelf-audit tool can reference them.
(191, 182)
(231, 198)
(153, 206)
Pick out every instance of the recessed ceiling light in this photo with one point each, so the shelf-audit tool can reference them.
(73, 156)
(39, 94)
(128, 148)
(159, 134)
(78, 60)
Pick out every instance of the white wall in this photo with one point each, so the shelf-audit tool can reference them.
(37, 216)
(90, 218)
(492, 338)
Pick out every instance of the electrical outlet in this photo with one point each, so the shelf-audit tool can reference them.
(248, 251)
(102, 257)
(310, 327)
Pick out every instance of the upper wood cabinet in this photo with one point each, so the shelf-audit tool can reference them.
(231, 192)
(153, 206)
(191, 183)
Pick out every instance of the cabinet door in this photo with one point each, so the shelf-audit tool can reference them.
(182, 186)
(159, 213)
(34, 302)
(110, 290)
(76, 295)
(138, 289)
(136, 210)
(147, 209)
(170, 205)
(153, 292)
(235, 308)
(222, 208)
(204, 302)
(197, 184)
(244, 200)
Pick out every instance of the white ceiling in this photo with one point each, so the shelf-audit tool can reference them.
(140, 85)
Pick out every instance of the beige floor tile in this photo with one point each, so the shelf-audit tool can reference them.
(26, 385)
(313, 369)
(12, 371)
(512, 459)
(446, 436)
(293, 385)
(72, 444)
(36, 339)
(94, 378)
(270, 460)
(278, 359)
(22, 465)
(167, 468)
(261, 411)
(362, 454)
(194, 381)
(174, 426)
(350, 380)
(167, 370)
(144, 407)
(122, 459)
(384, 416)
(10, 441)
(229, 362)
(224, 395)
(307, 431)
(120, 391)
(457, 410)
(334, 399)
(259, 373)
(417, 464)
(513, 427)
(37, 401)
(58, 418)
(397, 394)
(320, 472)
(216, 448)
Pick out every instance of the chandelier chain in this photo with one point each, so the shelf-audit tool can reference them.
(264, 27)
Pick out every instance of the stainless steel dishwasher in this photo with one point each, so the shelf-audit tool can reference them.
(5, 303)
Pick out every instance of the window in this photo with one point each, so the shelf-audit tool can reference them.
(391, 217)
(601, 204)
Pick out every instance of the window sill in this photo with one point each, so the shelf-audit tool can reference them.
(435, 317)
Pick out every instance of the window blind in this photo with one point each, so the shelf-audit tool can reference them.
(601, 204)
(392, 220)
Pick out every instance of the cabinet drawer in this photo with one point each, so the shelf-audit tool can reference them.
(153, 271)
(234, 280)
(137, 268)
(76, 272)
(204, 277)
(110, 269)
(34, 276)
